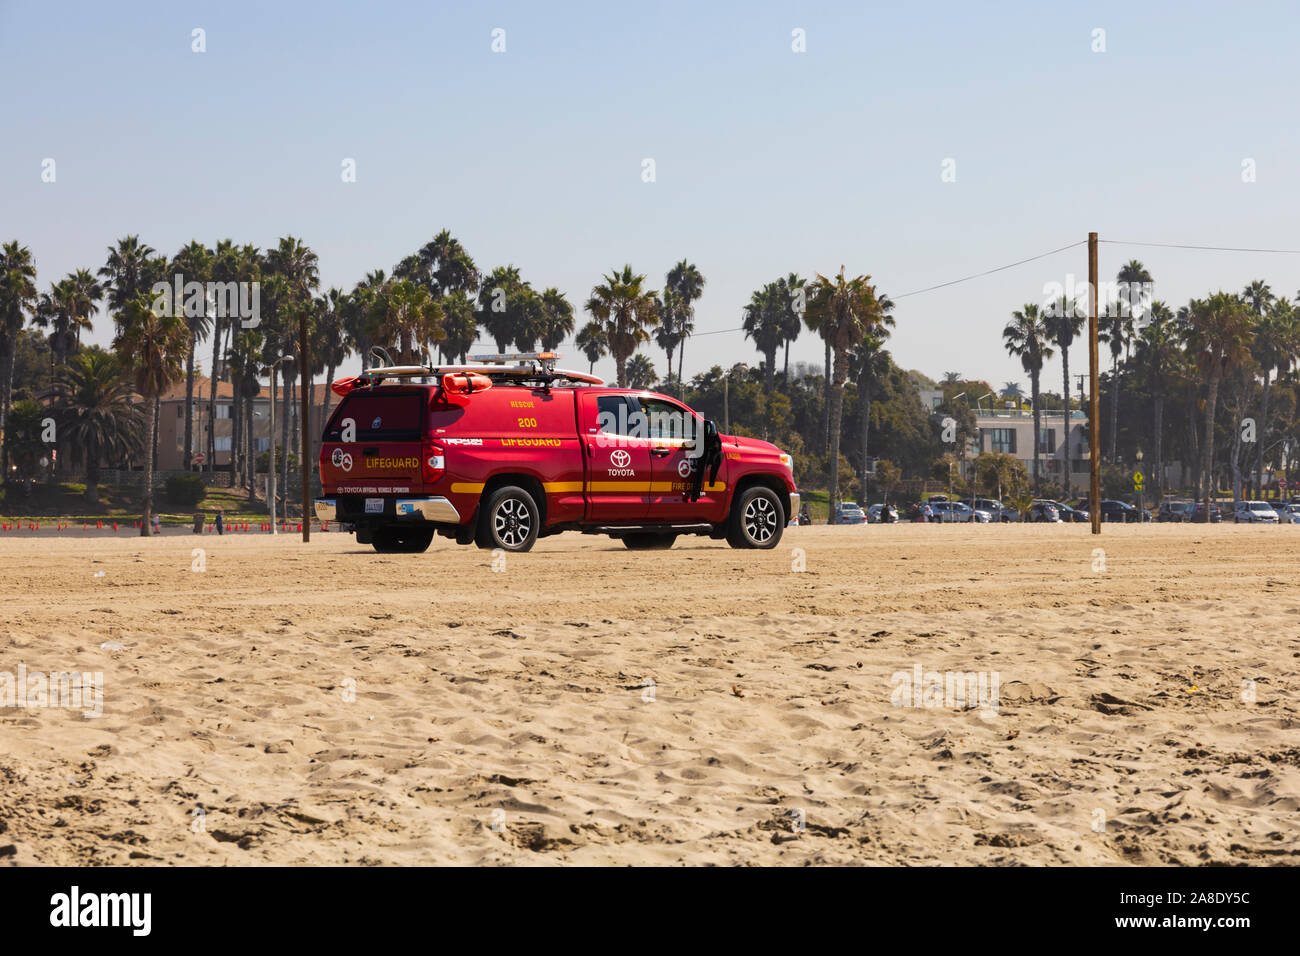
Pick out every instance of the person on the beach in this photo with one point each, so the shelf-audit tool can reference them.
(218, 522)
(157, 524)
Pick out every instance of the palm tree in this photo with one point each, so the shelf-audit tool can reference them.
(1218, 336)
(503, 301)
(791, 287)
(1064, 323)
(127, 272)
(448, 266)
(764, 322)
(86, 293)
(92, 402)
(867, 364)
(230, 263)
(1258, 296)
(843, 312)
(556, 318)
(194, 262)
(1117, 329)
(54, 312)
(591, 343)
(358, 312)
(17, 297)
(1275, 346)
(330, 347)
(405, 313)
(1026, 337)
(153, 347)
(687, 285)
(668, 334)
(626, 310)
(1012, 390)
(951, 378)
(1158, 347)
(459, 325)
(641, 372)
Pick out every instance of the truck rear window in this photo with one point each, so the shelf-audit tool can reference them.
(380, 416)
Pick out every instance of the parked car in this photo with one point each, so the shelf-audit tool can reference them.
(1288, 514)
(882, 514)
(1042, 511)
(1199, 511)
(1176, 511)
(1069, 514)
(1254, 512)
(997, 511)
(956, 511)
(1122, 511)
(848, 512)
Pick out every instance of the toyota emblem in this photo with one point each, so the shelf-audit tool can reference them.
(620, 458)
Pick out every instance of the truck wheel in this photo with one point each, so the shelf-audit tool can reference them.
(648, 541)
(402, 540)
(509, 521)
(757, 519)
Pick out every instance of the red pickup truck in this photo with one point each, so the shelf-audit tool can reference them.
(502, 454)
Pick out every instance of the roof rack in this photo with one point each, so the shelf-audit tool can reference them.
(505, 367)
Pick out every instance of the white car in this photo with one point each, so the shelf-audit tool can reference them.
(1253, 512)
(1288, 514)
(946, 511)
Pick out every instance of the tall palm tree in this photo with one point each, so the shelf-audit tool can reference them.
(764, 322)
(843, 311)
(867, 362)
(688, 285)
(54, 312)
(626, 311)
(1158, 347)
(1064, 323)
(92, 402)
(1026, 337)
(330, 347)
(1275, 345)
(668, 334)
(1258, 295)
(358, 315)
(194, 262)
(448, 266)
(152, 347)
(790, 288)
(86, 294)
(1218, 339)
(1117, 329)
(1012, 390)
(591, 343)
(17, 298)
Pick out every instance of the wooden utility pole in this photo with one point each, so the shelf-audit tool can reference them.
(304, 456)
(1094, 403)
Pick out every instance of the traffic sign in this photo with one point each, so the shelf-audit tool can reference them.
(1137, 478)
(198, 458)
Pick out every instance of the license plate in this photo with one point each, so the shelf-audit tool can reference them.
(374, 506)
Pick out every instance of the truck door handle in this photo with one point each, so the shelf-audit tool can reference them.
(660, 452)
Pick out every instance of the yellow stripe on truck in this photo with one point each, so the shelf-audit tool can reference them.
(571, 487)
(467, 487)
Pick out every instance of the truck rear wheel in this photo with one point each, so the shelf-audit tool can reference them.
(402, 540)
(757, 519)
(648, 541)
(510, 520)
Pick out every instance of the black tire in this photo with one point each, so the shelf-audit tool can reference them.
(648, 541)
(402, 540)
(757, 519)
(510, 520)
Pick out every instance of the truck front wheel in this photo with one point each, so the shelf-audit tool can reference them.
(510, 520)
(757, 519)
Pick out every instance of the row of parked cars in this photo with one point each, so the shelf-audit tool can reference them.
(941, 509)
(1243, 512)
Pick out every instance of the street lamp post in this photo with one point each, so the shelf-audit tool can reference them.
(1138, 456)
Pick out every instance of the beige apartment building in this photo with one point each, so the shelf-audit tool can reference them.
(171, 421)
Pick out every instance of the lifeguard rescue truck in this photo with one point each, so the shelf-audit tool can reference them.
(503, 452)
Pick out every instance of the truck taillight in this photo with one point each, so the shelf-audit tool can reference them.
(432, 462)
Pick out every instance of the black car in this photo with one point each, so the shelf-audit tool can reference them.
(1215, 514)
(1112, 510)
(1175, 511)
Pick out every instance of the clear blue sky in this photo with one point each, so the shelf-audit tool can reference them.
(767, 160)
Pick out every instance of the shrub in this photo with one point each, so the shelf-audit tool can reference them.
(186, 490)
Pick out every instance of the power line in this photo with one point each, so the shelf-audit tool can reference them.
(990, 272)
(1177, 245)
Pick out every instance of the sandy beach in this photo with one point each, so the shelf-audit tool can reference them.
(323, 704)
